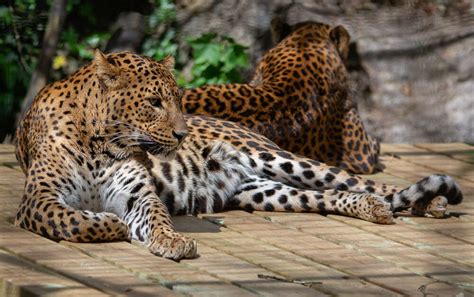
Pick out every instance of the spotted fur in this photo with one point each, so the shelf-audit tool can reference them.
(242, 169)
(108, 155)
(299, 98)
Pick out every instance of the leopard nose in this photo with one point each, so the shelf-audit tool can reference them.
(180, 135)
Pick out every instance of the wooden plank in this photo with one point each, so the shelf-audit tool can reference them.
(419, 249)
(241, 240)
(212, 273)
(19, 278)
(344, 251)
(406, 170)
(444, 164)
(8, 159)
(178, 276)
(75, 265)
(445, 147)
(245, 274)
(11, 190)
(218, 246)
(399, 148)
(383, 177)
(7, 148)
(7, 155)
(11, 178)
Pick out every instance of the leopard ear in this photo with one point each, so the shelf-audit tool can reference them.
(341, 39)
(168, 62)
(280, 29)
(109, 74)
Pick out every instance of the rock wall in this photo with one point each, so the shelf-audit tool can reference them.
(414, 68)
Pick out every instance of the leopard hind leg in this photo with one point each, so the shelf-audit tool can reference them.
(258, 193)
(430, 195)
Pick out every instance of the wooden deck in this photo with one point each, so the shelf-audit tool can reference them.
(271, 254)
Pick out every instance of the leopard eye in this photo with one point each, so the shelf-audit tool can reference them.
(156, 102)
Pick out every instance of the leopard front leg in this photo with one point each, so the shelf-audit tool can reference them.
(150, 223)
(49, 207)
(132, 195)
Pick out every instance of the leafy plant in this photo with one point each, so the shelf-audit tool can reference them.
(158, 45)
(159, 49)
(165, 12)
(216, 60)
(74, 50)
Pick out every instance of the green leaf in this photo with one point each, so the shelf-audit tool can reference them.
(5, 16)
(85, 53)
(217, 59)
(208, 54)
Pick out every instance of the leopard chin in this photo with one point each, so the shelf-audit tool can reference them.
(161, 152)
(169, 156)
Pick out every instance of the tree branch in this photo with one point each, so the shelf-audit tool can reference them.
(19, 46)
(40, 75)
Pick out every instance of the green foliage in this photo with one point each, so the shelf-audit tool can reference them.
(83, 48)
(164, 12)
(156, 46)
(77, 47)
(160, 48)
(217, 60)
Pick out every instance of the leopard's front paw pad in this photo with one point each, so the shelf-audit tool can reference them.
(173, 246)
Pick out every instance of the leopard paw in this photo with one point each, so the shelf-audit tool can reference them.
(376, 210)
(172, 245)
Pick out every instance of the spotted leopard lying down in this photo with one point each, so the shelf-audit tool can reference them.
(108, 155)
(299, 97)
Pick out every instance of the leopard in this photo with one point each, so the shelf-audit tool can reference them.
(109, 155)
(300, 97)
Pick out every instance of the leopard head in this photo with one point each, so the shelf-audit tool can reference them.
(318, 32)
(142, 104)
